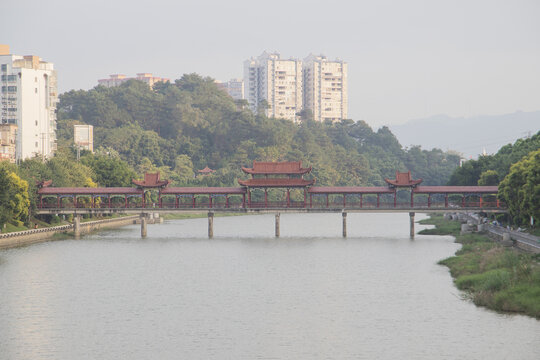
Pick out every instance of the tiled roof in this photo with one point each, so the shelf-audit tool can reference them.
(456, 190)
(286, 167)
(350, 190)
(281, 182)
(203, 190)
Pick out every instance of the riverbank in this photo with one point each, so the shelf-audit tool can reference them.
(34, 236)
(491, 275)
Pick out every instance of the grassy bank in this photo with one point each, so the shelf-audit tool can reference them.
(493, 276)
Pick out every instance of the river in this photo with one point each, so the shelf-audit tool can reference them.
(246, 295)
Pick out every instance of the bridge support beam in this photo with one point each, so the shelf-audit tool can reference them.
(344, 215)
(411, 225)
(77, 226)
(277, 224)
(144, 224)
(210, 225)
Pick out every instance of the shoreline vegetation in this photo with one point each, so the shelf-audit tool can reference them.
(491, 275)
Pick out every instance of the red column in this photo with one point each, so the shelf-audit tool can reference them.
(445, 200)
(41, 201)
(288, 198)
(429, 200)
(361, 200)
(75, 200)
(160, 200)
(93, 201)
(244, 200)
(305, 197)
(395, 198)
(143, 200)
(462, 200)
(327, 200)
(249, 197)
(310, 200)
(210, 200)
(265, 197)
(58, 201)
(109, 200)
(480, 200)
(226, 201)
(125, 200)
(177, 202)
(378, 200)
(412, 199)
(498, 204)
(344, 200)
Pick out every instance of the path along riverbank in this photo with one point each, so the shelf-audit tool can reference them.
(34, 236)
(491, 273)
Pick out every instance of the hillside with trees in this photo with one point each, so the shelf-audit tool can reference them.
(189, 124)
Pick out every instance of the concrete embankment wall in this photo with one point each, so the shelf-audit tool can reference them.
(27, 237)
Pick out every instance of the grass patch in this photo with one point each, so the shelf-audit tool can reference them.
(493, 276)
(12, 228)
(442, 226)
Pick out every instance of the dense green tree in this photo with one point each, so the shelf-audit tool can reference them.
(109, 171)
(14, 201)
(520, 189)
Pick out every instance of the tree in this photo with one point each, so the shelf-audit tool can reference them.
(520, 189)
(109, 171)
(488, 178)
(14, 201)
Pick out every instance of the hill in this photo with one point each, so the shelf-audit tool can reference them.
(468, 135)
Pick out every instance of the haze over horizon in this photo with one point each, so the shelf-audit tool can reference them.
(406, 60)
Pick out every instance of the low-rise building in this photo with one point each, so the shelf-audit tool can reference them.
(8, 138)
(118, 79)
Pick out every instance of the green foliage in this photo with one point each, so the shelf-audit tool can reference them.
(488, 178)
(109, 171)
(14, 202)
(193, 120)
(493, 276)
(472, 171)
(520, 189)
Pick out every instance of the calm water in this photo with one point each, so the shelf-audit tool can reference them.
(246, 295)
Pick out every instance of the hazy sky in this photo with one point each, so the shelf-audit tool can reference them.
(407, 59)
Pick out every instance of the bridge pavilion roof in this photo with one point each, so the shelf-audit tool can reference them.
(151, 180)
(403, 179)
(277, 168)
(276, 182)
(456, 190)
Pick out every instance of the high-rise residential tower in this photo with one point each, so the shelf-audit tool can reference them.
(276, 81)
(325, 88)
(29, 96)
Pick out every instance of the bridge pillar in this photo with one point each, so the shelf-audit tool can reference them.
(77, 226)
(411, 224)
(277, 224)
(210, 224)
(144, 223)
(344, 215)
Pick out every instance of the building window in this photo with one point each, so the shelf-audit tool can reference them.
(36, 144)
(36, 123)
(4, 67)
(35, 90)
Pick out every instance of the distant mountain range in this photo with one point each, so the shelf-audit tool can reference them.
(469, 136)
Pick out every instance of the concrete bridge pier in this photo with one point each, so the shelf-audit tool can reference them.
(277, 224)
(411, 225)
(77, 226)
(144, 223)
(210, 225)
(344, 215)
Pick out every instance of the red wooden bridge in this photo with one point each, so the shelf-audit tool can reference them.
(401, 194)
(296, 194)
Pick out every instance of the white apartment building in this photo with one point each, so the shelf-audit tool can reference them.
(118, 79)
(277, 81)
(29, 96)
(325, 88)
(233, 87)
